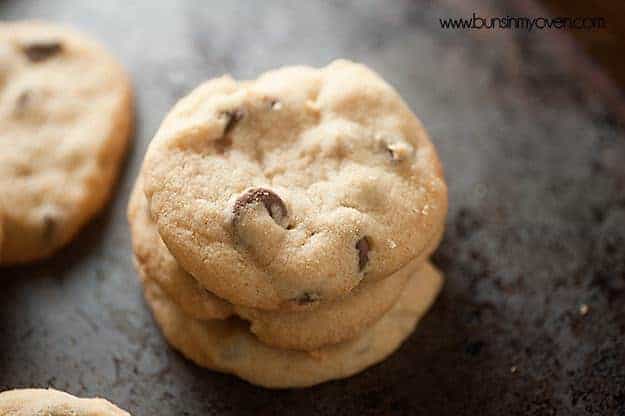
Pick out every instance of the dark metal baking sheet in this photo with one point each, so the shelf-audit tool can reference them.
(534, 157)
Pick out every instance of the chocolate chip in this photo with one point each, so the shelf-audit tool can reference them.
(307, 298)
(275, 104)
(363, 252)
(40, 51)
(272, 202)
(398, 151)
(222, 144)
(234, 116)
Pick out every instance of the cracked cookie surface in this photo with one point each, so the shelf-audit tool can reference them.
(49, 402)
(300, 184)
(65, 119)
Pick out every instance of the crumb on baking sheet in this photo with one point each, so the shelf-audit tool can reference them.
(583, 309)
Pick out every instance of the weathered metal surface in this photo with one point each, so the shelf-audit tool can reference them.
(536, 229)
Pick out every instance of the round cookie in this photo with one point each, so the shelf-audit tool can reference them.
(65, 119)
(305, 181)
(229, 347)
(315, 325)
(34, 402)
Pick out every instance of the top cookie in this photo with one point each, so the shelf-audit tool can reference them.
(295, 186)
(65, 117)
(34, 402)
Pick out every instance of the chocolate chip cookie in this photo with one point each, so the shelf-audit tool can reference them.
(65, 119)
(298, 186)
(35, 402)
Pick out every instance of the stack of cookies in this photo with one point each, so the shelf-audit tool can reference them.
(282, 227)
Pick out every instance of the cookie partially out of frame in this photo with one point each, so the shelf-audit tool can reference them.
(315, 324)
(305, 182)
(49, 402)
(65, 119)
(229, 347)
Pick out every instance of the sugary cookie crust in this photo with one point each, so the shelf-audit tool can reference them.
(156, 262)
(316, 324)
(42, 402)
(303, 182)
(65, 119)
(229, 347)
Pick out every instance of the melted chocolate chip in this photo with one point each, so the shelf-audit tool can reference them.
(307, 298)
(272, 202)
(40, 51)
(397, 151)
(275, 104)
(223, 144)
(363, 252)
(234, 116)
